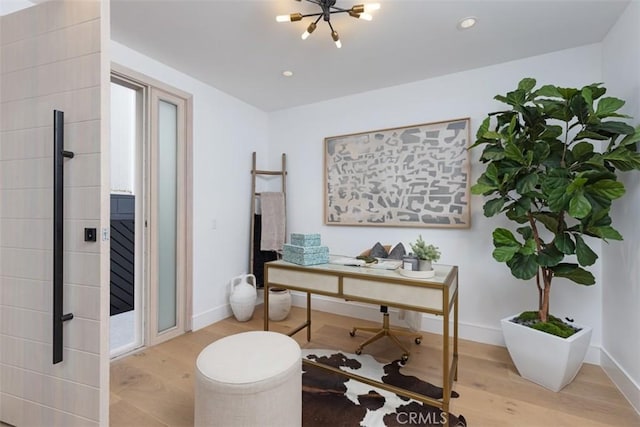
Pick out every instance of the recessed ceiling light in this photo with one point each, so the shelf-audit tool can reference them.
(468, 22)
(287, 73)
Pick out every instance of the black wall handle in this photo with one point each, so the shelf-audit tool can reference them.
(59, 155)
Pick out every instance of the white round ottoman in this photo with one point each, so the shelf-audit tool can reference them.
(249, 379)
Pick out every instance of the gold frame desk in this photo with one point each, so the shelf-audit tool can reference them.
(437, 295)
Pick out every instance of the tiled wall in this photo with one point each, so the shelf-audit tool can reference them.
(50, 58)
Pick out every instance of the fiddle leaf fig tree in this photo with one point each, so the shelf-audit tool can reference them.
(551, 161)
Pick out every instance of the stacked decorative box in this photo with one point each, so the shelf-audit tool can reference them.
(305, 249)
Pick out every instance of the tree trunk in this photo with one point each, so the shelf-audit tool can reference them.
(543, 313)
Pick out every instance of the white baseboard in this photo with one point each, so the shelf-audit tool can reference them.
(627, 386)
(209, 317)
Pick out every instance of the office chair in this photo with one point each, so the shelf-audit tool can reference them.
(398, 252)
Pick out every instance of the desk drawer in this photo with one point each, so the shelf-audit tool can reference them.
(303, 280)
(394, 294)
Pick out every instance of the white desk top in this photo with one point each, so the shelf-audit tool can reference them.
(441, 271)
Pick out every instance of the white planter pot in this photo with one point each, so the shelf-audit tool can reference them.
(424, 265)
(545, 359)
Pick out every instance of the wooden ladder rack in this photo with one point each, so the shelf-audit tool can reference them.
(255, 172)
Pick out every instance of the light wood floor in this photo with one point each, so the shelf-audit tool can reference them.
(154, 387)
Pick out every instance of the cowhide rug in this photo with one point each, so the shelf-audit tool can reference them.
(330, 399)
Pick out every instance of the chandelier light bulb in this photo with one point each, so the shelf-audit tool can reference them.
(289, 18)
(310, 30)
(336, 39)
(365, 16)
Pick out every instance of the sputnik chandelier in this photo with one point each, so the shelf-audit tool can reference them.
(360, 11)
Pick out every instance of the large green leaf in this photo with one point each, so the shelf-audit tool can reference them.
(550, 256)
(607, 188)
(576, 185)
(606, 106)
(523, 267)
(517, 98)
(556, 109)
(521, 207)
(567, 92)
(632, 138)
(623, 159)
(493, 206)
(627, 165)
(551, 132)
(504, 237)
(482, 188)
(526, 232)
(597, 90)
(604, 232)
(549, 91)
(587, 94)
(579, 108)
(613, 127)
(573, 273)
(529, 247)
(492, 153)
(582, 149)
(492, 173)
(564, 243)
(589, 134)
(549, 220)
(516, 216)
(513, 152)
(484, 126)
(527, 84)
(527, 183)
(490, 134)
(558, 199)
(584, 253)
(579, 206)
(504, 253)
(541, 151)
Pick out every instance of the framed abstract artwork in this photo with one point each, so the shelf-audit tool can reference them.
(413, 176)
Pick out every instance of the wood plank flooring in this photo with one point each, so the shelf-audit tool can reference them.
(154, 387)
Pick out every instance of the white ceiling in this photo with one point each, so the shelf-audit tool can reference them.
(239, 48)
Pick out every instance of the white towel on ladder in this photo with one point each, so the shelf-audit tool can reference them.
(273, 221)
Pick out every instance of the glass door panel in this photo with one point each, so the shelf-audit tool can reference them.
(167, 215)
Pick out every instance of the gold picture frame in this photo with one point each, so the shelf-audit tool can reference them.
(411, 176)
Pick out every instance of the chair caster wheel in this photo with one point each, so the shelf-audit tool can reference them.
(352, 332)
(359, 351)
(404, 359)
(418, 341)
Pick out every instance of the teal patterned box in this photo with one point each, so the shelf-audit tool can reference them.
(305, 255)
(305, 240)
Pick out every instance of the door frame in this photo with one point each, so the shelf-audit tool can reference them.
(184, 313)
(141, 272)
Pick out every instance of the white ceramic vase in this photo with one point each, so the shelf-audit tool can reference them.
(243, 296)
(279, 303)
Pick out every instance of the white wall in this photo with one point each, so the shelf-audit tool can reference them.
(487, 289)
(225, 133)
(621, 273)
